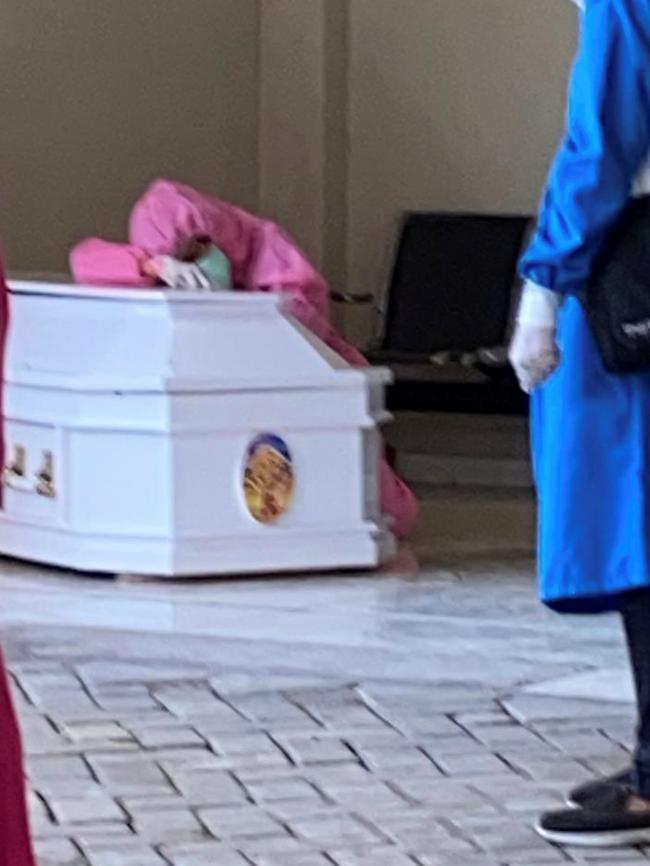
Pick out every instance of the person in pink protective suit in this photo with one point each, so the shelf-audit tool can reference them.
(173, 228)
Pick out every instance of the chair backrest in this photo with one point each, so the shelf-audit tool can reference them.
(452, 283)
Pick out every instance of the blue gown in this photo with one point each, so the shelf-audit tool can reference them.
(591, 435)
(591, 429)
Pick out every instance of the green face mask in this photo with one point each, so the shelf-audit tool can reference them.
(217, 269)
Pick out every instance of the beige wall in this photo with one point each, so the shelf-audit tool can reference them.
(333, 116)
(303, 124)
(292, 132)
(373, 107)
(453, 104)
(100, 96)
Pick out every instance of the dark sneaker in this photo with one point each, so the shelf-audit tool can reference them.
(591, 793)
(611, 825)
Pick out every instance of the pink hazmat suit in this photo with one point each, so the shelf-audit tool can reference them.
(263, 259)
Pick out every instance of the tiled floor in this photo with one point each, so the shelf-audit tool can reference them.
(389, 720)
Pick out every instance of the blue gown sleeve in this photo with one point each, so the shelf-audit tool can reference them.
(606, 143)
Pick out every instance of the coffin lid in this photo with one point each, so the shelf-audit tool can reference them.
(98, 339)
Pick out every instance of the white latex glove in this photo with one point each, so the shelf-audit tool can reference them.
(181, 276)
(534, 352)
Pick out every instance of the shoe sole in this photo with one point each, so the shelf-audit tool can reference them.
(618, 839)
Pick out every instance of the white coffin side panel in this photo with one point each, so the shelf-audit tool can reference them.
(142, 406)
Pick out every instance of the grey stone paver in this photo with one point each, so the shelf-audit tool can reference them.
(129, 774)
(390, 857)
(203, 854)
(88, 807)
(248, 749)
(239, 824)
(207, 787)
(316, 748)
(445, 859)
(58, 852)
(129, 854)
(285, 789)
(164, 825)
(311, 858)
(165, 736)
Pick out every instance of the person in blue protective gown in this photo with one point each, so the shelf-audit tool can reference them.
(591, 429)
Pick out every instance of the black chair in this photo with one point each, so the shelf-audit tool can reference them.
(445, 320)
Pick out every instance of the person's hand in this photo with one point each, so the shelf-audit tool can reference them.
(534, 352)
(534, 355)
(180, 276)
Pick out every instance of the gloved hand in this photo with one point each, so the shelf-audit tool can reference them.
(180, 276)
(534, 352)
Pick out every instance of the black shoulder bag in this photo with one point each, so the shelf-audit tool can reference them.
(617, 300)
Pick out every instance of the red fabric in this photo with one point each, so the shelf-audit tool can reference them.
(4, 327)
(15, 847)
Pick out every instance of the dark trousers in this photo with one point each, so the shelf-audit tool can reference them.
(635, 611)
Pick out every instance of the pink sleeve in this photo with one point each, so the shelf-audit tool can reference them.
(302, 310)
(96, 262)
(278, 262)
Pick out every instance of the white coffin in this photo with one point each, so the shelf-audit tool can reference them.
(129, 421)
